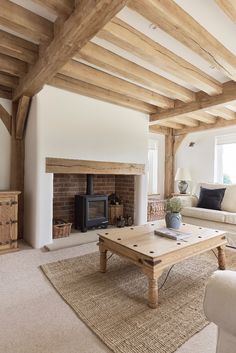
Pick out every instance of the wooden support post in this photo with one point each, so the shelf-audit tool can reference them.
(169, 163)
(17, 168)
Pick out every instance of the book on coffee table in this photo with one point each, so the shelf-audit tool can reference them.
(171, 233)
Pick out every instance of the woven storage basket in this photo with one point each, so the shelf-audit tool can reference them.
(61, 230)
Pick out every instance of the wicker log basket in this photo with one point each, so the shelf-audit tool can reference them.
(61, 229)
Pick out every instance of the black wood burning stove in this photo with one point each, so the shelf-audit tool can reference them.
(91, 210)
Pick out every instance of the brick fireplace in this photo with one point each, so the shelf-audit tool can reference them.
(66, 186)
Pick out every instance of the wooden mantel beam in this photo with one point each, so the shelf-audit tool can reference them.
(202, 102)
(76, 166)
(172, 19)
(85, 21)
(6, 118)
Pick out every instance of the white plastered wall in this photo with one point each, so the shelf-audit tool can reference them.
(200, 159)
(66, 125)
(5, 149)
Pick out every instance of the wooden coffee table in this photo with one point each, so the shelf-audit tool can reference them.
(153, 253)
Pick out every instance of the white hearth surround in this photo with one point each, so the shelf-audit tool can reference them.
(65, 125)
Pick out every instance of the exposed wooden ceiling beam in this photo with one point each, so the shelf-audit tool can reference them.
(203, 117)
(86, 89)
(224, 113)
(12, 66)
(179, 24)
(202, 103)
(133, 41)
(185, 121)
(18, 48)
(25, 22)
(170, 124)
(8, 81)
(5, 92)
(85, 21)
(21, 116)
(229, 7)
(99, 78)
(58, 7)
(6, 118)
(220, 123)
(159, 130)
(107, 60)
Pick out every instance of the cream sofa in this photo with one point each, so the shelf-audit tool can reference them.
(219, 307)
(223, 220)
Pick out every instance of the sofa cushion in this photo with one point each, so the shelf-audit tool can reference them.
(211, 199)
(203, 213)
(230, 218)
(229, 200)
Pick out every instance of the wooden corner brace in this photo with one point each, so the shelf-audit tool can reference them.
(21, 116)
(6, 119)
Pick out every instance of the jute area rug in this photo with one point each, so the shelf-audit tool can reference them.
(114, 305)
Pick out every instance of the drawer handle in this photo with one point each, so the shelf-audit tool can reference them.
(8, 203)
(9, 222)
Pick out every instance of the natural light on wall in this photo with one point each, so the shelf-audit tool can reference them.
(225, 159)
(152, 167)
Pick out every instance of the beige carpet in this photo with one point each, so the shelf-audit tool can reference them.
(113, 305)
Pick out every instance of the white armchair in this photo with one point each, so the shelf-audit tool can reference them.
(220, 308)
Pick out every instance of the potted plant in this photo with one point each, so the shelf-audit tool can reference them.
(173, 217)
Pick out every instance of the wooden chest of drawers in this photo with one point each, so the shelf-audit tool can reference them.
(8, 220)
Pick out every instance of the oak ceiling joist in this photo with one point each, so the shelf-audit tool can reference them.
(202, 103)
(58, 7)
(86, 89)
(203, 117)
(99, 78)
(6, 118)
(5, 92)
(18, 48)
(12, 66)
(179, 24)
(170, 124)
(85, 21)
(185, 121)
(133, 41)
(222, 112)
(25, 22)
(220, 123)
(96, 55)
(229, 7)
(8, 81)
(159, 130)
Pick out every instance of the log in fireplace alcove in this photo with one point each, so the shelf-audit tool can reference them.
(90, 179)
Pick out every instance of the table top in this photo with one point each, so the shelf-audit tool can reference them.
(142, 239)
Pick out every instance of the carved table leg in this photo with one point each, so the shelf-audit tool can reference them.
(221, 258)
(103, 260)
(152, 293)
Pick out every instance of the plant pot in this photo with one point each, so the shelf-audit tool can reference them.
(173, 220)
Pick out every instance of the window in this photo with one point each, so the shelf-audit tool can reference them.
(225, 159)
(152, 167)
